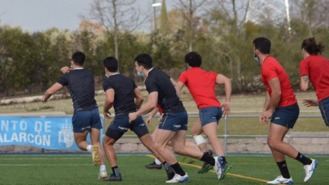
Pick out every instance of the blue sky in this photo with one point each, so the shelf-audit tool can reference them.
(40, 15)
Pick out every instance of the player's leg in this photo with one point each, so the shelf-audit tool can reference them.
(199, 139)
(283, 119)
(202, 143)
(276, 135)
(190, 149)
(80, 135)
(167, 130)
(140, 129)
(114, 132)
(221, 166)
(80, 140)
(80, 129)
(324, 108)
(96, 126)
(162, 138)
(98, 152)
(209, 118)
(156, 163)
(111, 157)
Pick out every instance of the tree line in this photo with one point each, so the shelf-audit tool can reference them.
(220, 31)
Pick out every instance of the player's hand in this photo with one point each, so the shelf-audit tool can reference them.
(65, 69)
(43, 99)
(226, 108)
(107, 114)
(132, 116)
(161, 116)
(149, 119)
(265, 116)
(309, 102)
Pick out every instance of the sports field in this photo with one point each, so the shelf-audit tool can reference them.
(77, 169)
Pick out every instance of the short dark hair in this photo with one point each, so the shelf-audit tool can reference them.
(144, 60)
(263, 44)
(79, 58)
(111, 64)
(311, 46)
(193, 59)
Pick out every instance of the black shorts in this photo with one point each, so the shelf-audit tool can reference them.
(174, 121)
(210, 115)
(121, 125)
(86, 120)
(286, 116)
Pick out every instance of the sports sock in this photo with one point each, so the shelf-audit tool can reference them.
(283, 169)
(178, 169)
(102, 167)
(115, 170)
(303, 159)
(206, 157)
(156, 161)
(89, 148)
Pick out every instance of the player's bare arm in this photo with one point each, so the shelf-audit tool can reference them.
(150, 115)
(109, 99)
(138, 97)
(52, 90)
(274, 99)
(222, 79)
(304, 83)
(151, 103)
(65, 69)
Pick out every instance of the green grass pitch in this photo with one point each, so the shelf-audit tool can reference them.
(78, 169)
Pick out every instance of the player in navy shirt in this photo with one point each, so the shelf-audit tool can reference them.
(80, 83)
(173, 125)
(122, 93)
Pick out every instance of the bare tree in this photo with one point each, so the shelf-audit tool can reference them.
(312, 12)
(117, 16)
(235, 12)
(189, 10)
(227, 19)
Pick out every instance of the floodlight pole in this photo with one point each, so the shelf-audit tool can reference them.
(286, 2)
(155, 5)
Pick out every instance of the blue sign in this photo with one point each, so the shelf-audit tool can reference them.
(48, 132)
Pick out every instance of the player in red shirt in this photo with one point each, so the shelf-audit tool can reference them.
(314, 67)
(201, 84)
(281, 111)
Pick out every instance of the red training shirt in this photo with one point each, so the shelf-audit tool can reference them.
(270, 69)
(317, 68)
(201, 84)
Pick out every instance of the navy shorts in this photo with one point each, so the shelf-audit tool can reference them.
(286, 116)
(85, 120)
(121, 125)
(210, 115)
(324, 108)
(174, 121)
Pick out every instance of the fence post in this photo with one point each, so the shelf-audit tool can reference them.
(225, 134)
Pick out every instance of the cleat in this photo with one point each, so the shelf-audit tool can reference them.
(178, 179)
(169, 171)
(206, 167)
(95, 155)
(281, 180)
(153, 165)
(221, 168)
(114, 177)
(309, 169)
(103, 176)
